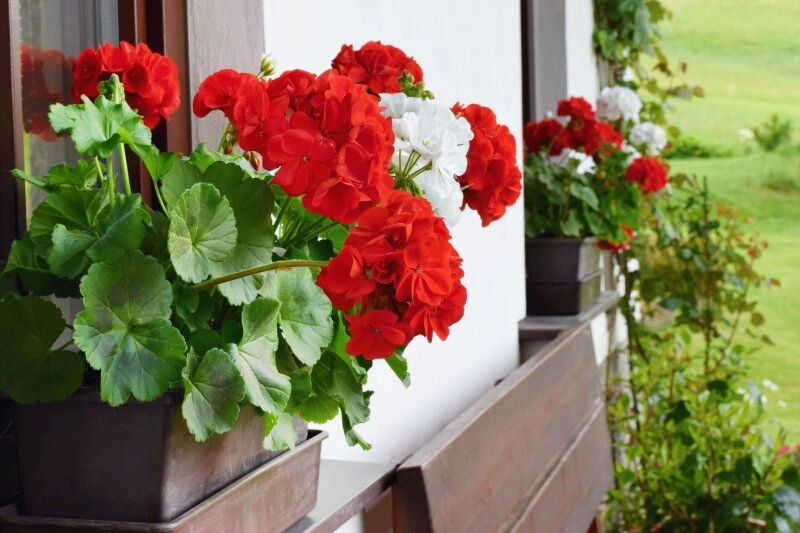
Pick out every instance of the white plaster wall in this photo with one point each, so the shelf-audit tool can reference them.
(469, 52)
(582, 79)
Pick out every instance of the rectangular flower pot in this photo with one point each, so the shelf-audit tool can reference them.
(563, 276)
(81, 458)
(561, 259)
(559, 297)
(269, 499)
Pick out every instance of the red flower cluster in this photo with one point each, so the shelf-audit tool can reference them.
(43, 73)
(376, 65)
(618, 246)
(150, 79)
(582, 132)
(326, 133)
(492, 181)
(399, 274)
(649, 172)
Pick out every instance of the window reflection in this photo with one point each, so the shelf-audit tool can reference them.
(53, 32)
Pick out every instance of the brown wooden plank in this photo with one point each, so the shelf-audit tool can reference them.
(569, 498)
(472, 475)
(11, 192)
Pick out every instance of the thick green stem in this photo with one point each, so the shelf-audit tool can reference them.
(106, 180)
(160, 199)
(289, 263)
(123, 165)
(112, 181)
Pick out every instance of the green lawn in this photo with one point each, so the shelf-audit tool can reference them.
(746, 56)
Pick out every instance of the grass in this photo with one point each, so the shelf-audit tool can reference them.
(746, 56)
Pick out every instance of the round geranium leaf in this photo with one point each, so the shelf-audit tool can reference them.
(213, 389)
(305, 314)
(30, 371)
(125, 329)
(202, 231)
(266, 386)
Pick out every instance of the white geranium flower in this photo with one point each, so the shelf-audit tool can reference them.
(632, 152)
(430, 132)
(651, 135)
(444, 193)
(584, 164)
(616, 103)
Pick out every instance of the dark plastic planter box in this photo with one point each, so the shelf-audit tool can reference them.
(267, 500)
(81, 458)
(563, 276)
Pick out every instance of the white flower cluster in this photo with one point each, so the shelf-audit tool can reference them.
(583, 163)
(429, 131)
(616, 103)
(651, 135)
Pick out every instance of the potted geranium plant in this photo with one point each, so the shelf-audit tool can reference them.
(584, 183)
(263, 284)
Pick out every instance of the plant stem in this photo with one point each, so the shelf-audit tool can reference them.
(160, 199)
(123, 164)
(112, 184)
(106, 180)
(289, 263)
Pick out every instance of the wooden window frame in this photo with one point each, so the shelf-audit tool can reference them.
(159, 23)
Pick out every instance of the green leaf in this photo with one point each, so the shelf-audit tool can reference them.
(571, 227)
(788, 501)
(251, 201)
(280, 432)
(203, 158)
(67, 257)
(76, 209)
(182, 176)
(120, 230)
(34, 273)
(125, 329)
(82, 176)
(304, 315)
(585, 194)
(337, 346)
(30, 371)
(98, 128)
(202, 231)
(334, 388)
(213, 389)
(266, 387)
(157, 163)
(301, 387)
(36, 181)
(399, 366)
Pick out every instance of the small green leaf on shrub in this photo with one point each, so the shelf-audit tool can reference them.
(266, 387)
(304, 314)
(279, 432)
(213, 389)
(98, 127)
(125, 329)
(30, 370)
(202, 231)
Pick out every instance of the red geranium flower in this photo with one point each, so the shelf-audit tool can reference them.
(492, 181)
(375, 334)
(397, 259)
(618, 246)
(150, 79)
(376, 65)
(544, 133)
(649, 172)
(576, 107)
